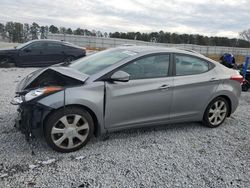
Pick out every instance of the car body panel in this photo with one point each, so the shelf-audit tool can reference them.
(139, 103)
(92, 100)
(69, 72)
(191, 93)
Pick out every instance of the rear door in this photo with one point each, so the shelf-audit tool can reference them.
(145, 98)
(194, 83)
(54, 53)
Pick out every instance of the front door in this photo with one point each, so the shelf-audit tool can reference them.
(33, 54)
(145, 98)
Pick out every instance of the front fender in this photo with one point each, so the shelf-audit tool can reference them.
(90, 96)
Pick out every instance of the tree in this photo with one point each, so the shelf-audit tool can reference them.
(245, 35)
(78, 31)
(99, 34)
(9, 29)
(18, 32)
(105, 34)
(53, 29)
(62, 30)
(26, 32)
(69, 31)
(44, 31)
(34, 29)
(1, 28)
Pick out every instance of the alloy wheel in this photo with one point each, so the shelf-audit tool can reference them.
(70, 131)
(217, 112)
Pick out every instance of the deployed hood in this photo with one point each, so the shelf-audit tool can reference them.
(52, 76)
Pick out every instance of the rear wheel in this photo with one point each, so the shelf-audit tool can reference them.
(245, 87)
(68, 129)
(216, 112)
(69, 59)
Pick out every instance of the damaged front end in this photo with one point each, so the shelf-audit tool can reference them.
(36, 86)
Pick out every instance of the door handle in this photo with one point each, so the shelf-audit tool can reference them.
(165, 86)
(213, 80)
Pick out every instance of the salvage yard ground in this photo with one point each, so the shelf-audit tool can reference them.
(176, 155)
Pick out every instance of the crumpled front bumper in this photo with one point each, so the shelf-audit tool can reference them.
(31, 117)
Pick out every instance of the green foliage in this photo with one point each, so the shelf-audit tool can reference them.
(34, 29)
(17, 32)
(175, 38)
(53, 29)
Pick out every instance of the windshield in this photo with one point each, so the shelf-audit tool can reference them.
(22, 45)
(94, 63)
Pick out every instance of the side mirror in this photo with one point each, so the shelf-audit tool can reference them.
(120, 76)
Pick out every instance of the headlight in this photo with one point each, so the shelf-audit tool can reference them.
(41, 91)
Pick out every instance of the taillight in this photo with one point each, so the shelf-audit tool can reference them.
(237, 77)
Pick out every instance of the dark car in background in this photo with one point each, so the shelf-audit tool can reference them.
(40, 53)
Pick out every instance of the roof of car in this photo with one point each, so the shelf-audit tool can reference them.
(56, 41)
(49, 40)
(144, 49)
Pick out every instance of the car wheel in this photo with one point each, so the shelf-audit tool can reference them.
(216, 112)
(6, 62)
(68, 129)
(245, 87)
(69, 59)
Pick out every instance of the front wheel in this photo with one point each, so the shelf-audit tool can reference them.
(216, 112)
(6, 62)
(68, 129)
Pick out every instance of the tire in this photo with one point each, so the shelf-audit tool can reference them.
(245, 87)
(69, 59)
(6, 62)
(216, 112)
(69, 129)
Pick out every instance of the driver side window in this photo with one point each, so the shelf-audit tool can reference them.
(155, 66)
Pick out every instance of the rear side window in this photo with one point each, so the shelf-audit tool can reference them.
(187, 65)
(53, 46)
(68, 47)
(155, 66)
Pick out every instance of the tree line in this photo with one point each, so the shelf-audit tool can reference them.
(18, 32)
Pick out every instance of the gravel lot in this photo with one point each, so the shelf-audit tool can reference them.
(177, 155)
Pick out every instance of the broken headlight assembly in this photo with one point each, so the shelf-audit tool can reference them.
(32, 94)
(40, 91)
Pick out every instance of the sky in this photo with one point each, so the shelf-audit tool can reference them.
(206, 17)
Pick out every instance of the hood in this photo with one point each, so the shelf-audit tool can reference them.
(52, 76)
(4, 50)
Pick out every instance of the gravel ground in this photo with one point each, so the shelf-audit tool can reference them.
(177, 155)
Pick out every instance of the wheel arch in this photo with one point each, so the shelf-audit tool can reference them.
(13, 59)
(97, 128)
(226, 98)
(229, 104)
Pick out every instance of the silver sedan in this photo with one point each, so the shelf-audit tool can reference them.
(124, 87)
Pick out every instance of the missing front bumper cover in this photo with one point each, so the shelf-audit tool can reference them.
(30, 118)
